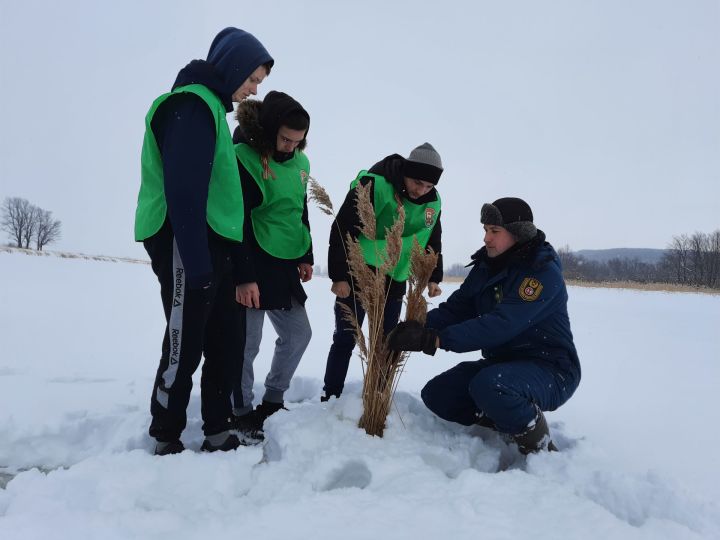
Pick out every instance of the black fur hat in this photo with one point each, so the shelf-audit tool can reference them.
(512, 214)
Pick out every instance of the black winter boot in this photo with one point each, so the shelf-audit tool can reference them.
(267, 408)
(536, 438)
(167, 448)
(223, 442)
(249, 428)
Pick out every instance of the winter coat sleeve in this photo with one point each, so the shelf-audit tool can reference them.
(244, 268)
(242, 265)
(185, 130)
(509, 318)
(457, 308)
(347, 221)
(308, 257)
(435, 242)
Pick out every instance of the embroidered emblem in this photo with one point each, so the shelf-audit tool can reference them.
(429, 217)
(530, 289)
(303, 177)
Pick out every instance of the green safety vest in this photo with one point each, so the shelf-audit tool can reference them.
(420, 220)
(277, 222)
(225, 211)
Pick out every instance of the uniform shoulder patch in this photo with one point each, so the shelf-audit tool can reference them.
(530, 289)
(429, 217)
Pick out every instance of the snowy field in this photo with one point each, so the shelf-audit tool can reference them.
(79, 344)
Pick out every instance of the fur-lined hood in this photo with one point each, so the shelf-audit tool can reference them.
(258, 128)
(249, 130)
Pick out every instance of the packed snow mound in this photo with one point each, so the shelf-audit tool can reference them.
(318, 471)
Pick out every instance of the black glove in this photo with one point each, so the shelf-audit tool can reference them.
(412, 336)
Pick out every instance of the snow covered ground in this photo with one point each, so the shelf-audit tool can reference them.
(79, 343)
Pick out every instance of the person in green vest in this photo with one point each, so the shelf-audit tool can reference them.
(190, 219)
(411, 181)
(274, 171)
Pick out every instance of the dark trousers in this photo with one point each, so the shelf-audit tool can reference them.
(343, 342)
(199, 322)
(507, 392)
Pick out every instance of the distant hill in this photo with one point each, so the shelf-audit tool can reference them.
(646, 255)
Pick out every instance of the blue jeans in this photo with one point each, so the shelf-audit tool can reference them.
(343, 343)
(507, 392)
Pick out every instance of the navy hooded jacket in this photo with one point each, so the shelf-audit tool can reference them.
(516, 312)
(184, 128)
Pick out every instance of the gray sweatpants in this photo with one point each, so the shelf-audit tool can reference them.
(293, 329)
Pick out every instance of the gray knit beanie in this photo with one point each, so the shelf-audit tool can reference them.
(424, 163)
(512, 214)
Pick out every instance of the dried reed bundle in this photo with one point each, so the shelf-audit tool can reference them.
(381, 368)
(381, 382)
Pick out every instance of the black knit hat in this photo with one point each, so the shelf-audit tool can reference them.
(512, 214)
(423, 163)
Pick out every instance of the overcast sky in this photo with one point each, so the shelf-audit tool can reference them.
(604, 115)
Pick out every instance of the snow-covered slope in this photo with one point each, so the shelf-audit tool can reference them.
(79, 343)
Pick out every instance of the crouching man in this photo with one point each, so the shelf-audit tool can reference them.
(513, 307)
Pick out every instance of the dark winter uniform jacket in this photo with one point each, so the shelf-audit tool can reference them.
(278, 279)
(348, 220)
(513, 306)
(184, 128)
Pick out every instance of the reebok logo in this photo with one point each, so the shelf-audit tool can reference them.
(178, 298)
(174, 346)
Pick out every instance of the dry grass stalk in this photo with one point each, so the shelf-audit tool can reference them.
(393, 243)
(362, 274)
(634, 285)
(422, 264)
(320, 197)
(349, 314)
(324, 203)
(365, 210)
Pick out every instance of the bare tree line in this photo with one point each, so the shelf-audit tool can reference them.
(692, 260)
(27, 224)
